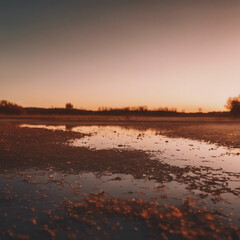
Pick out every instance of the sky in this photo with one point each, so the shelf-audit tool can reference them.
(115, 53)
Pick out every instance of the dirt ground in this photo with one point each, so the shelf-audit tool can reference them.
(23, 148)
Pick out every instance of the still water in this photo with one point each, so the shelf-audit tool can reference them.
(175, 151)
(213, 163)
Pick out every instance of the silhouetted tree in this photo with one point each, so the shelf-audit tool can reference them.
(233, 104)
(69, 106)
(7, 107)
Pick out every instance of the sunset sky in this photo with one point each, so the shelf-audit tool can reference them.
(116, 53)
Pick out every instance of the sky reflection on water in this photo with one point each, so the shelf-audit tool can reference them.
(175, 151)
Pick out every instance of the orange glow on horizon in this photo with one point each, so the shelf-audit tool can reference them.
(179, 55)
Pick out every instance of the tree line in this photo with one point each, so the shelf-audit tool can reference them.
(6, 107)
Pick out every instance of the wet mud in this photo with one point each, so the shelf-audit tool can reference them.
(66, 189)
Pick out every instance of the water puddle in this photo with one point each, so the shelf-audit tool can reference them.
(38, 195)
(216, 166)
(57, 185)
(43, 191)
(49, 127)
(174, 151)
(49, 196)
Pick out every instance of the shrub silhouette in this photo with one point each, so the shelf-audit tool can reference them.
(69, 106)
(10, 108)
(233, 104)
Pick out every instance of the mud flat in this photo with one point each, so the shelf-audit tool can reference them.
(125, 178)
(223, 131)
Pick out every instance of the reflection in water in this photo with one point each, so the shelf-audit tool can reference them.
(32, 198)
(211, 167)
(43, 191)
(74, 186)
(175, 151)
(49, 127)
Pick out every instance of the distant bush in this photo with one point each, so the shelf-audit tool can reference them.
(69, 106)
(233, 104)
(10, 108)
